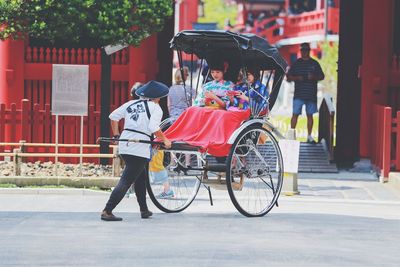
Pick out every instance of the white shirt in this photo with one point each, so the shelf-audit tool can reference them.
(136, 118)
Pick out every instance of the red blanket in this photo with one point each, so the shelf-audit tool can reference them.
(207, 128)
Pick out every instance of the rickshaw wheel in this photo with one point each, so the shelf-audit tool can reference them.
(254, 172)
(183, 182)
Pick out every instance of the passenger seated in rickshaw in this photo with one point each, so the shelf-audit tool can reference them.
(259, 92)
(240, 96)
(214, 93)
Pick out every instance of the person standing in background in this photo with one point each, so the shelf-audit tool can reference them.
(180, 97)
(305, 73)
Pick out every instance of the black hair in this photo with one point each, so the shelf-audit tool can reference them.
(255, 73)
(216, 65)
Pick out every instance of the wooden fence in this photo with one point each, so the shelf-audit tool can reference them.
(20, 153)
(38, 126)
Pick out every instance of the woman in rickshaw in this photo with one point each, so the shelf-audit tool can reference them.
(252, 89)
(214, 93)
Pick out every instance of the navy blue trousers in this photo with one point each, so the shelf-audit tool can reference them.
(135, 172)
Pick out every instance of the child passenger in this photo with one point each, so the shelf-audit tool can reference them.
(214, 93)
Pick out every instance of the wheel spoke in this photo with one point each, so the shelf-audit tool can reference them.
(183, 182)
(253, 155)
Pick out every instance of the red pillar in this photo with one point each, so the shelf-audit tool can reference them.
(143, 63)
(150, 60)
(376, 58)
(11, 71)
(136, 73)
(188, 14)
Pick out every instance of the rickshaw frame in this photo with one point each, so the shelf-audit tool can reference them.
(247, 139)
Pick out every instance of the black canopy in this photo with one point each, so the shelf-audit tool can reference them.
(248, 50)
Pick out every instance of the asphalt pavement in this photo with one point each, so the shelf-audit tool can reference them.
(344, 220)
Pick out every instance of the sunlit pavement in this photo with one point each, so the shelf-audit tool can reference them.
(341, 221)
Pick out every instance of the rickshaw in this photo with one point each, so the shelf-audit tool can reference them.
(253, 169)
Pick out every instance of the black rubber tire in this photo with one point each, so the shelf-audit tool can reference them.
(276, 191)
(165, 208)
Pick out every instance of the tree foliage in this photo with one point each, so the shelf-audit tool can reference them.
(72, 22)
(329, 64)
(219, 11)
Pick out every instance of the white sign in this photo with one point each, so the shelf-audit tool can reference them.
(290, 152)
(70, 90)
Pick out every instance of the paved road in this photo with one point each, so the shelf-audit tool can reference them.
(332, 223)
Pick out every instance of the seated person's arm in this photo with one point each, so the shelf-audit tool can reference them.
(239, 94)
(242, 96)
(199, 101)
(216, 98)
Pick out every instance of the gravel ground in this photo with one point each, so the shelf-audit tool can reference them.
(45, 169)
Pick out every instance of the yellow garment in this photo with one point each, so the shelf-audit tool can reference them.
(211, 103)
(156, 163)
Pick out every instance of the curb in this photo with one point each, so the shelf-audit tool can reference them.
(51, 191)
(78, 182)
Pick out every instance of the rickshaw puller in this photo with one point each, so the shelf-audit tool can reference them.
(142, 119)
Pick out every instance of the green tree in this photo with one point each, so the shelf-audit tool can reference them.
(218, 11)
(94, 22)
(329, 65)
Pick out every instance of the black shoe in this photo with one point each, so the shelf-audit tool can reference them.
(105, 216)
(146, 214)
